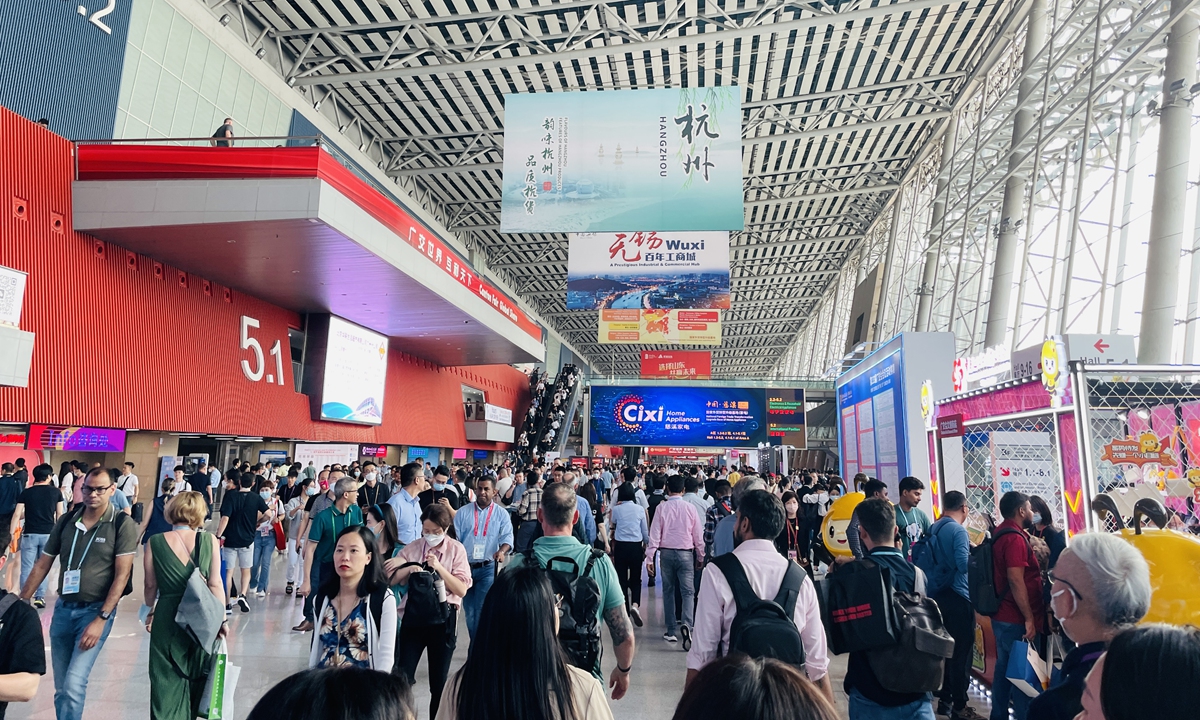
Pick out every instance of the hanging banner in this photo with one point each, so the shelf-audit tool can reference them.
(666, 159)
(648, 271)
(660, 327)
(677, 365)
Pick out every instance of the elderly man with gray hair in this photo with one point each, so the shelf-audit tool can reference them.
(723, 534)
(322, 538)
(1101, 585)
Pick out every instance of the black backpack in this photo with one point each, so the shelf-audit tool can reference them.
(578, 618)
(423, 607)
(981, 575)
(764, 628)
(916, 662)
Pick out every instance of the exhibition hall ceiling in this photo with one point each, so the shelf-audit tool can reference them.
(839, 100)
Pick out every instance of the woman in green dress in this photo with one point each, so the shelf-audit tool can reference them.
(178, 666)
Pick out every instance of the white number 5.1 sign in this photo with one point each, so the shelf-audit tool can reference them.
(253, 369)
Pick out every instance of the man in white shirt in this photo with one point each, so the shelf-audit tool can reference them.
(503, 481)
(128, 483)
(760, 517)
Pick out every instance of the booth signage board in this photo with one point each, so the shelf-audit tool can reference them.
(459, 454)
(950, 426)
(982, 369)
(1022, 461)
(675, 415)
(677, 364)
(322, 454)
(497, 414)
(1091, 349)
(12, 292)
(80, 439)
(785, 418)
(648, 270)
(276, 456)
(355, 374)
(480, 454)
(665, 159)
(881, 432)
(372, 451)
(660, 327)
(419, 453)
(1146, 449)
(12, 438)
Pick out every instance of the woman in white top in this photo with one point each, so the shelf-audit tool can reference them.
(516, 648)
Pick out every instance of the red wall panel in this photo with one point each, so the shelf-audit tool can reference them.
(125, 341)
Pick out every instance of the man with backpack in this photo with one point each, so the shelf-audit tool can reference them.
(869, 699)
(755, 601)
(944, 555)
(95, 545)
(1017, 576)
(585, 579)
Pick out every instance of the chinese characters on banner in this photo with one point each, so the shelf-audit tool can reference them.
(648, 270)
(660, 327)
(666, 159)
(677, 364)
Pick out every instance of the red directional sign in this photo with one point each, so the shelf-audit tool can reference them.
(1101, 346)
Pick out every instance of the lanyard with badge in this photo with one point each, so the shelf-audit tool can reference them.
(478, 549)
(71, 577)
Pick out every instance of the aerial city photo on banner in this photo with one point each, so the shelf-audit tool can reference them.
(664, 159)
(648, 271)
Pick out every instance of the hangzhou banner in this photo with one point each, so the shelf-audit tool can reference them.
(665, 160)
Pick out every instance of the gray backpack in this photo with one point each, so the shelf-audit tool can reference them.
(200, 613)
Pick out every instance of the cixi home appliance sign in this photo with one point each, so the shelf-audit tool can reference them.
(648, 271)
(615, 161)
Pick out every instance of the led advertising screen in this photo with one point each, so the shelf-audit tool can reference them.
(355, 374)
(83, 439)
(871, 411)
(785, 417)
(678, 416)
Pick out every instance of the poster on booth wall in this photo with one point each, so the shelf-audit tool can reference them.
(648, 271)
(660, 327)
(1024, 461)
(664, 159)
(677, 364)
(322, 454)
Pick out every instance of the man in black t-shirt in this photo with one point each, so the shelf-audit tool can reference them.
(223, 137)
(241, 514)
(441, 492)
(22, 648)
(10, 489)
(40, 506)
(200, 482)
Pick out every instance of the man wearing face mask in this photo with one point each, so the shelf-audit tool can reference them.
(441, 492)
(1018, 577)
(372, 492)
(1101, 585)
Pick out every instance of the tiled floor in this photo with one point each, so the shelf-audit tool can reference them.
(262, 643)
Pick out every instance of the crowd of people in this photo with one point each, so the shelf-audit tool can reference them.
(540, 560)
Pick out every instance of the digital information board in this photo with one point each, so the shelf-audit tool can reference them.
(355, 374)
(690, 416)
(785, 418)
(871, 409)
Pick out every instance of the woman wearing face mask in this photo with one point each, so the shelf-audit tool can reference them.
(294, 510)
(1100, 585)
(788, 541)
(446, 557)
(264, 541)
(1044, 528)
(1149, 671)
(357, 617)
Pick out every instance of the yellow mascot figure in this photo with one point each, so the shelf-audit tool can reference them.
(833, 528)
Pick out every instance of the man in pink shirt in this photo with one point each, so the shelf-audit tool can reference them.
(677, 534)
(760, 518)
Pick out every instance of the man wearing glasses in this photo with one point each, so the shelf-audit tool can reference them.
(95, 546)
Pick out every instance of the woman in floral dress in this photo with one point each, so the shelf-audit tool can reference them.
(357, 619)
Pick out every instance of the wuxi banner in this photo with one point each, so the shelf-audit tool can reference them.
(665, 160)
(648, 271)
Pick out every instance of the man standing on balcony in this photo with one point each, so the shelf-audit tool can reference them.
(223, 137)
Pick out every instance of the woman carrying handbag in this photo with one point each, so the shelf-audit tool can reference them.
(179, 665)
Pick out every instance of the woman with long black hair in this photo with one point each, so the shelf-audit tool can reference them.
(630, 534)
(356, 618)
(516, 648)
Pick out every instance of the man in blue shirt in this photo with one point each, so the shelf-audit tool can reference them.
(405, 504)
(869, 700)
(485, 530)
(945, 565)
